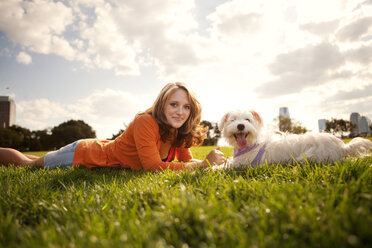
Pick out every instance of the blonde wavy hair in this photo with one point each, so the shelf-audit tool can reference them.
(191, 133)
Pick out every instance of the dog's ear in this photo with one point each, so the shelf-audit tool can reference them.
(257, 117)
(223, 121)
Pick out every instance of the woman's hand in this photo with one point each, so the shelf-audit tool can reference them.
(215, 157)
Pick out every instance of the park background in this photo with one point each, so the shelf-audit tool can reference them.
(104, 61)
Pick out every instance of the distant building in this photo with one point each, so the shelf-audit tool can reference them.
(7, 112)
(284, 112)
(322, 125)
(364, 123)
(355, 118)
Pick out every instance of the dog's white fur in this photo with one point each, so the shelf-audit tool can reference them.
(242, 129)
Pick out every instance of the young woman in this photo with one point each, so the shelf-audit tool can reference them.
(151, 141)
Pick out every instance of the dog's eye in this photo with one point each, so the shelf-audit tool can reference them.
(248, 120)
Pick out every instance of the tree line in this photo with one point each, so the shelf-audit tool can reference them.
(23, 139)
(339, 127)
(213, 133)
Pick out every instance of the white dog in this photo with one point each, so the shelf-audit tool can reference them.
(242, 130)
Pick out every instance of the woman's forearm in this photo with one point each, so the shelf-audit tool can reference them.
(195, 163)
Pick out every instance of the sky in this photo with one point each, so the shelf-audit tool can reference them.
(103, 61)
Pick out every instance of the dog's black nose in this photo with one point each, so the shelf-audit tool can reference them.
(240, 127)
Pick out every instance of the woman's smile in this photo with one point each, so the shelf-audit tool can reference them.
(177, 108)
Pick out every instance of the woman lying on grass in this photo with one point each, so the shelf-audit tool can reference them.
(151, 142)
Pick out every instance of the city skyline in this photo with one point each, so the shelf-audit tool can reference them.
(362, 123)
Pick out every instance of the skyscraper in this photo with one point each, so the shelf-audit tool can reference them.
(322, 125)
(284, 112)
(7, 112)
(364, 123)
(354, 118)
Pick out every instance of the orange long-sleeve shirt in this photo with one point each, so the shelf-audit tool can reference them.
(137, 148)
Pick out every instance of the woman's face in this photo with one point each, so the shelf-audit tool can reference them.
(177, 108)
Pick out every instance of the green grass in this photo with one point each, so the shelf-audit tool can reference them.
(312, 205)
(348, 140)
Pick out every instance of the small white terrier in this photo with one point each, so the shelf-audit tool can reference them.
(242, 130)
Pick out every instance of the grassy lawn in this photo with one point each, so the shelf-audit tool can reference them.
(312, 205)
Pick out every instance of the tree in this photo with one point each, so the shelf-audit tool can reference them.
(23, 139)
(338, 126)
(212, 137)
(70, 131)
(297, 128)
(9, 138)
(290, 125)
(114, 136)
(285, 124)
(26, 137)
(41, 140)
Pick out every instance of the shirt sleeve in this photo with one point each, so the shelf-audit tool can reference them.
(146, 133)
(183, 154)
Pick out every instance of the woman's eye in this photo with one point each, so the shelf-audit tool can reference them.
(187, 107)
(173, 104)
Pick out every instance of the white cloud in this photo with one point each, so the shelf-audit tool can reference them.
(106, 46)
(343, 108)
(41, 113)
(237, 18)
(302, 68)
(322, 29)
(106, 111)
(161, 31)
(361, 55)
(354, 30)
(109, 103)
(124, 35)
(307, 49)
(34, 24)
(24, 58)
(356, 93)
(239, 24)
